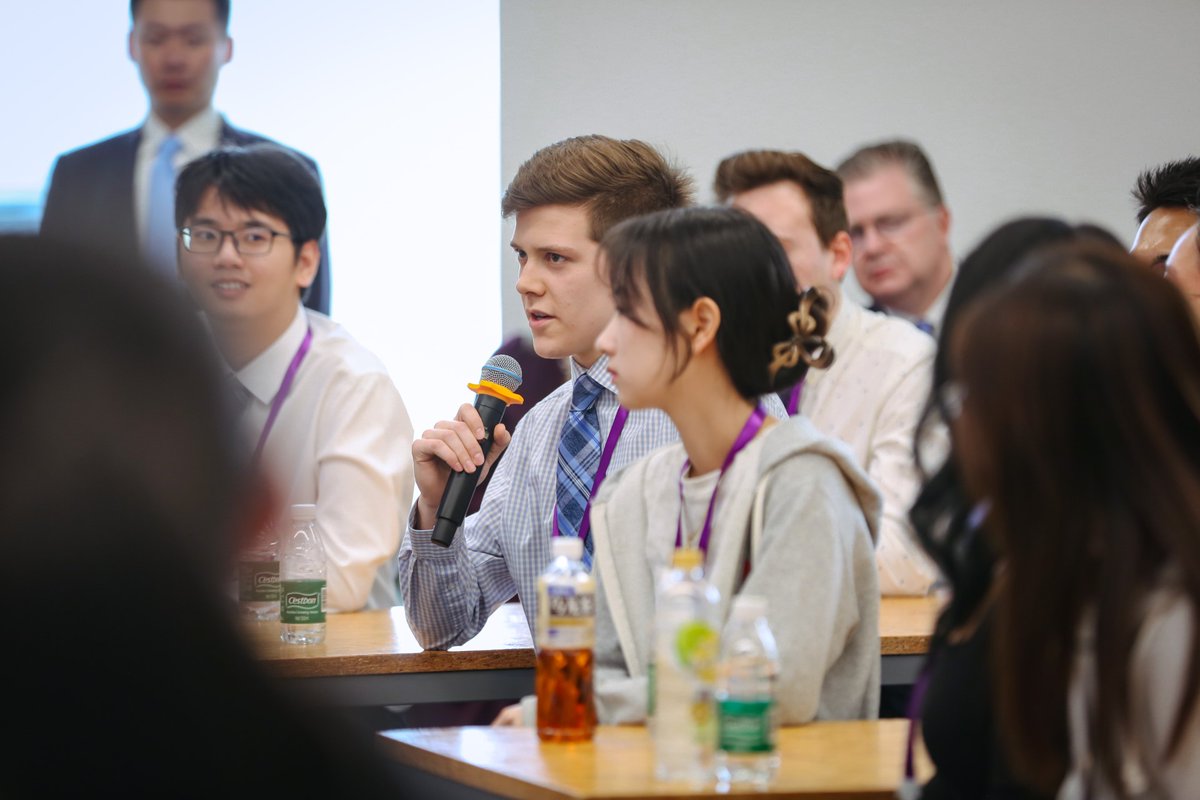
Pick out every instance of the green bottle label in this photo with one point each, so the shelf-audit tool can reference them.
(302, 602)
(744, 726)
(258, 581)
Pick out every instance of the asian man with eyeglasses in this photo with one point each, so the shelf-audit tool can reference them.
(319, 409)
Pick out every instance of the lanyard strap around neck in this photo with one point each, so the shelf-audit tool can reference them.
(610, 445)
(749, 431)
(793, 405)
(916, 702)
(284, 387)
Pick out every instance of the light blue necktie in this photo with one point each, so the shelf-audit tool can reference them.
(579, 450)
(159, 243)
(924, 325)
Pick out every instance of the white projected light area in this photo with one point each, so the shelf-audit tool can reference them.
(399, 104)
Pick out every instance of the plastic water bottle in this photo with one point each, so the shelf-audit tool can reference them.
(747, 718)
(683, 674)
(302, 580)
(258, 576)
(566, 635)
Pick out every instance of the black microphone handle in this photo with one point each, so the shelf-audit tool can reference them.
(460, 487)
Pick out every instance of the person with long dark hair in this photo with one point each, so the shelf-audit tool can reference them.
(1078, 421)
(124, 497)
(954, 701)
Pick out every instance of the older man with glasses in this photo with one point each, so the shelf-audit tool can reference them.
(899, 226)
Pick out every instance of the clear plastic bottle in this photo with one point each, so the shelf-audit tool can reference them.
(258, 576)
(302, 580)
(566, 634)
(683, 674)
(747, 718)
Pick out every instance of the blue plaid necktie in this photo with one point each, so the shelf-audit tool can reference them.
(158, 244)
(579, 450)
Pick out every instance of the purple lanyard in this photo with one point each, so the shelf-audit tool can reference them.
(610, 445)
(916, 698)
(281, 395)
(794, 399)
(915, 701)
(749, 431)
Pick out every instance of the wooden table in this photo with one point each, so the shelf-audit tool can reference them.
(824, 759)
(905, 624)
(371, 658)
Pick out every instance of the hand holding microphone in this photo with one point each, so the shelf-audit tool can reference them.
(448, 444)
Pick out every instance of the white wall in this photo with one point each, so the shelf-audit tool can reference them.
(1027, 106)
(399, 104)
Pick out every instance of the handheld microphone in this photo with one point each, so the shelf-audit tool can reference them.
(498, 383)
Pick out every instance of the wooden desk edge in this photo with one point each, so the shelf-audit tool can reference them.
(468, 774)
(442, 661)
(386, 663)
(904, 645)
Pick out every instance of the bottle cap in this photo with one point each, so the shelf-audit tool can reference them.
(749, 606)
(570, 547)
(687, 558)
(304, 511)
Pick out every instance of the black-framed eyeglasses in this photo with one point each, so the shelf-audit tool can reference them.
(253, 241)
(888, 226)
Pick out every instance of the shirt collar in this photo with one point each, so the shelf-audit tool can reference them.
(938, 310)
(263, 375)
(845, 323)
(597, 371)
(933, 315)
(197, 136)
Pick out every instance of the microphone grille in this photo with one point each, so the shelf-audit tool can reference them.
(503, 370)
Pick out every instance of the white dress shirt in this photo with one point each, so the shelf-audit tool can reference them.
(871, 398)
(197, 136)
(933, 315)
(342, 441)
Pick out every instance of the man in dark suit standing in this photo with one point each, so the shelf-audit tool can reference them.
(118, 194)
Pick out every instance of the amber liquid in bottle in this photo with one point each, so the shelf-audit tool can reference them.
(566, 634)
(565, 711)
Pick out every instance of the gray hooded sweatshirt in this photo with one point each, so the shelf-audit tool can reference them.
(813, 560)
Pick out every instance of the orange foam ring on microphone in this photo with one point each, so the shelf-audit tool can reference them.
(497, 391)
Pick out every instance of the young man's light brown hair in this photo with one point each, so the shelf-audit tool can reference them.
(898, 152)
(753, 169)
(614, 179)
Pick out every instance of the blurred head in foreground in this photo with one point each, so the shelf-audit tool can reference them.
(122, 499)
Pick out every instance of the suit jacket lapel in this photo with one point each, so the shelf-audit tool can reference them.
(120, 178)
(234, 136)
(229, 134)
